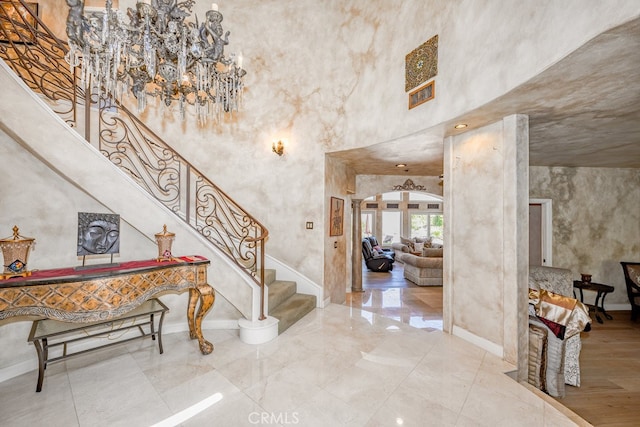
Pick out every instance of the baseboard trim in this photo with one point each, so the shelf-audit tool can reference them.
(618, 307)
(19, 369)
(207, 324)
(483, 343)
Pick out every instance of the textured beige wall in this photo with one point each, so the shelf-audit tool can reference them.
(371, 185)
(329, 76)
(596, 221)
(485, 246)
(337, 269)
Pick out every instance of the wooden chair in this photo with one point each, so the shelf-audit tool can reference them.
(632, 278)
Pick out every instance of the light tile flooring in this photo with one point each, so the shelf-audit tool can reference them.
(338, 366)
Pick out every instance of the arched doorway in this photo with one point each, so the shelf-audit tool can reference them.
(388, 217)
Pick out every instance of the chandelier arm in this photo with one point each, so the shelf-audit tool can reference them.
(157, 53)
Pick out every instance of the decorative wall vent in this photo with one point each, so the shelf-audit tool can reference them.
(393, 205)
(433, 205)
(408, 186)
(372, 206)
(413, 206)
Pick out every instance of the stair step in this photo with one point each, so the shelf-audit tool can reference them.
(269, 276)
(292, 310)
(279, 291)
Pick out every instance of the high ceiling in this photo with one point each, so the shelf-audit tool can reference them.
(583, 112)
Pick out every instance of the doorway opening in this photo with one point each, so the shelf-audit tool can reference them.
(388, 217)
(540, 232)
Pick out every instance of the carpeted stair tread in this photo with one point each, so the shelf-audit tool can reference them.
(269, 276)
(279, 291)
(292, 310)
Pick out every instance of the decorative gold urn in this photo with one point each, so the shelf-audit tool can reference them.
(164, 241)
(15, 250)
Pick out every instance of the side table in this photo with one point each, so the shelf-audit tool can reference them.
(602, 291)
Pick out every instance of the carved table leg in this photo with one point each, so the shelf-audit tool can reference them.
(206, 295)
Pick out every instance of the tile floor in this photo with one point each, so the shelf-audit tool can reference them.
(339, 366)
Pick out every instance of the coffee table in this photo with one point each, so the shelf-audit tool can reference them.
(602, 291)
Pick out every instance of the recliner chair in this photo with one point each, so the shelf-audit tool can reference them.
(374, 243)
(375, 261)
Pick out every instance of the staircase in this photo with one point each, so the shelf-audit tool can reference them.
(285, 304)
(154, 167)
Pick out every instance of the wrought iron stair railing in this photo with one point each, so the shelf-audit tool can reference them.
(37, 55)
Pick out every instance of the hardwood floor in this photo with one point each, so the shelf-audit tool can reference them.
(609, 393)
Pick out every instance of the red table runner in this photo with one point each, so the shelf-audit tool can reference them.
(89, 271)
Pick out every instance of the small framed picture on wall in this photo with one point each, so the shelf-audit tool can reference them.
(336, 216)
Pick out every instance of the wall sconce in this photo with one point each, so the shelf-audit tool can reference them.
(278, 148)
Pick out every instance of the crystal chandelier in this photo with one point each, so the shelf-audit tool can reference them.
(154, 51)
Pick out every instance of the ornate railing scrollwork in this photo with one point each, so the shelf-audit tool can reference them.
(130, 145)
(37, 56)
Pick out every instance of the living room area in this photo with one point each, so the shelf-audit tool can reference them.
(608, 367)
(410, 229)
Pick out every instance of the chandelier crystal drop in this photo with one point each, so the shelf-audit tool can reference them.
(154, 51)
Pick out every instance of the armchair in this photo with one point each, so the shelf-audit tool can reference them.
(632, 279)
(374, 260)
(560, 363)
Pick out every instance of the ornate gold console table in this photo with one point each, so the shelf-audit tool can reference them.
(102, 293)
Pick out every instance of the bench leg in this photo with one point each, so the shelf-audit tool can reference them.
(153, 333)
(41, 364)
(160, 333)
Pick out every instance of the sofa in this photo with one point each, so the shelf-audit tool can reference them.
(407, 245)
(423, 270)
(554, 348)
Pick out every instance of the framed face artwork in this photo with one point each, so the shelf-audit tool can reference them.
(98, 233)
(336, 217)
(16, 20)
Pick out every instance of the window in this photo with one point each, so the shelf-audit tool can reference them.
(426, 225)
(419, 225)
(421, 197)
(436, 225)
(392, 195)
(391, 227)
(367, 223)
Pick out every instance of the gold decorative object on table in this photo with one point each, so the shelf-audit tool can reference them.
(15, 250)
(164, 241)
